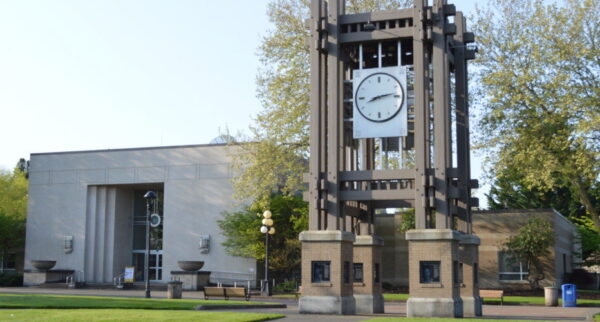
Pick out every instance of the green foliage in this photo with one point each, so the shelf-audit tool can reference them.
(11, 279)
(590, 241)
(274, 157)
(287, 286)
(13, 209)
(408, 220)
(531, 246)
(243, 238)
(538, 86)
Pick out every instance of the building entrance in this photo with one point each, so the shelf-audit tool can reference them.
(155, 261)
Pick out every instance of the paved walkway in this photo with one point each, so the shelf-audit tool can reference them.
(392, 309)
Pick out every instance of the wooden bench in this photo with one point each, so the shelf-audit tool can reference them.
(237, 292)
(213, 291)
(226, 292)
(492, 294)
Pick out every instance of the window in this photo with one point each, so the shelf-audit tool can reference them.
(430, 272)
(510, 268)
(346, 272)
(458, 272)
(358, 272)
(320, 271)
(376, 272)
(8, 262)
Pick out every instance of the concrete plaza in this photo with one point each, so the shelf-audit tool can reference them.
(392, 309)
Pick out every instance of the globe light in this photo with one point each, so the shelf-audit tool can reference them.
(264, 229)
(269, 222)
(265, 221)
(272, 231)
(267, 214)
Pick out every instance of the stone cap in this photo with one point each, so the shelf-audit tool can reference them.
(326, 236)
(433, 234)
(368, 240)
(191, 273)
(469, 239)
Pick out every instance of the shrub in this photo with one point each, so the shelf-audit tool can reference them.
(11, 279)
(287, 286)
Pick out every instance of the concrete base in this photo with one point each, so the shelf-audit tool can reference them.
(327, 305)
(34, 278)
(192, 281)
(369, 304)
(423, 307)
(472, 306)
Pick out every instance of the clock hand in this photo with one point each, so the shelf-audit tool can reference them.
(379, 96)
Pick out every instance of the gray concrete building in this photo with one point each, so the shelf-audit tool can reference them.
(86, 211)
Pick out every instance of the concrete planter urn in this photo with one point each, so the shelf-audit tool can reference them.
(190, 266)
(42, 265)
(551, 296)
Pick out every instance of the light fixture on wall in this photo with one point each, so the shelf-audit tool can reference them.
(204, 244)
(68, 244)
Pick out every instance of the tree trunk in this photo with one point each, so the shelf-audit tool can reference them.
(584, 197)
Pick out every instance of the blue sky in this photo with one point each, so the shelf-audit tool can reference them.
(105, 74)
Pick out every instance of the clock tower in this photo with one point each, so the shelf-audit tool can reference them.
(389, 131)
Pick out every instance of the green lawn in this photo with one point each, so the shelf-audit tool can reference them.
(11, 300)
(510, 300)
(130, 315)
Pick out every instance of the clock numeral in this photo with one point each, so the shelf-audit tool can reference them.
(379, 79)
(379, 114)
(396, 95)
(361, 98)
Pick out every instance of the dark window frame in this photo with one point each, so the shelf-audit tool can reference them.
(320, 271)
(358, 270)
(431, 267)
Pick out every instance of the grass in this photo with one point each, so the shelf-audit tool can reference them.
(510, 300)
(130, 315)
(16, 301)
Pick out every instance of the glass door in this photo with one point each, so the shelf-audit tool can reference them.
(155, 262)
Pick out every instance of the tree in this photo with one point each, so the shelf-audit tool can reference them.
(275, 157)
(243, 238)
(13, 209)
(537, 77)
(531, 246)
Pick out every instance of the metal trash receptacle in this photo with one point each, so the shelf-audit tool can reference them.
(569, 295)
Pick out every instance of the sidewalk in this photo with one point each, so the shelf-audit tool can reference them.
(393, 309)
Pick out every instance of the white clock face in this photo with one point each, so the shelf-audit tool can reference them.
(379, 97)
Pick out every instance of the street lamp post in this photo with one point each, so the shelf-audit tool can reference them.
(150, 197)
(267, 229)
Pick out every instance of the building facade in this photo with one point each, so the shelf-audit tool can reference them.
(493, 228)
(87, 212)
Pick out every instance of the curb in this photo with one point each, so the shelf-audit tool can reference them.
(207, 307)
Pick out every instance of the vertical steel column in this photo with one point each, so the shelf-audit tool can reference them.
(462, 121)
(316, 143)
(441, 116)
(335, 128)
(420, 106)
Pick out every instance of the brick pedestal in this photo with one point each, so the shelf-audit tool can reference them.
(433, 280)
(367, 293)
(327, 289)
(469, 293)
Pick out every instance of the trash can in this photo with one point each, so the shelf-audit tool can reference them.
(569, 295)
(174, 289)
(551, 296)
